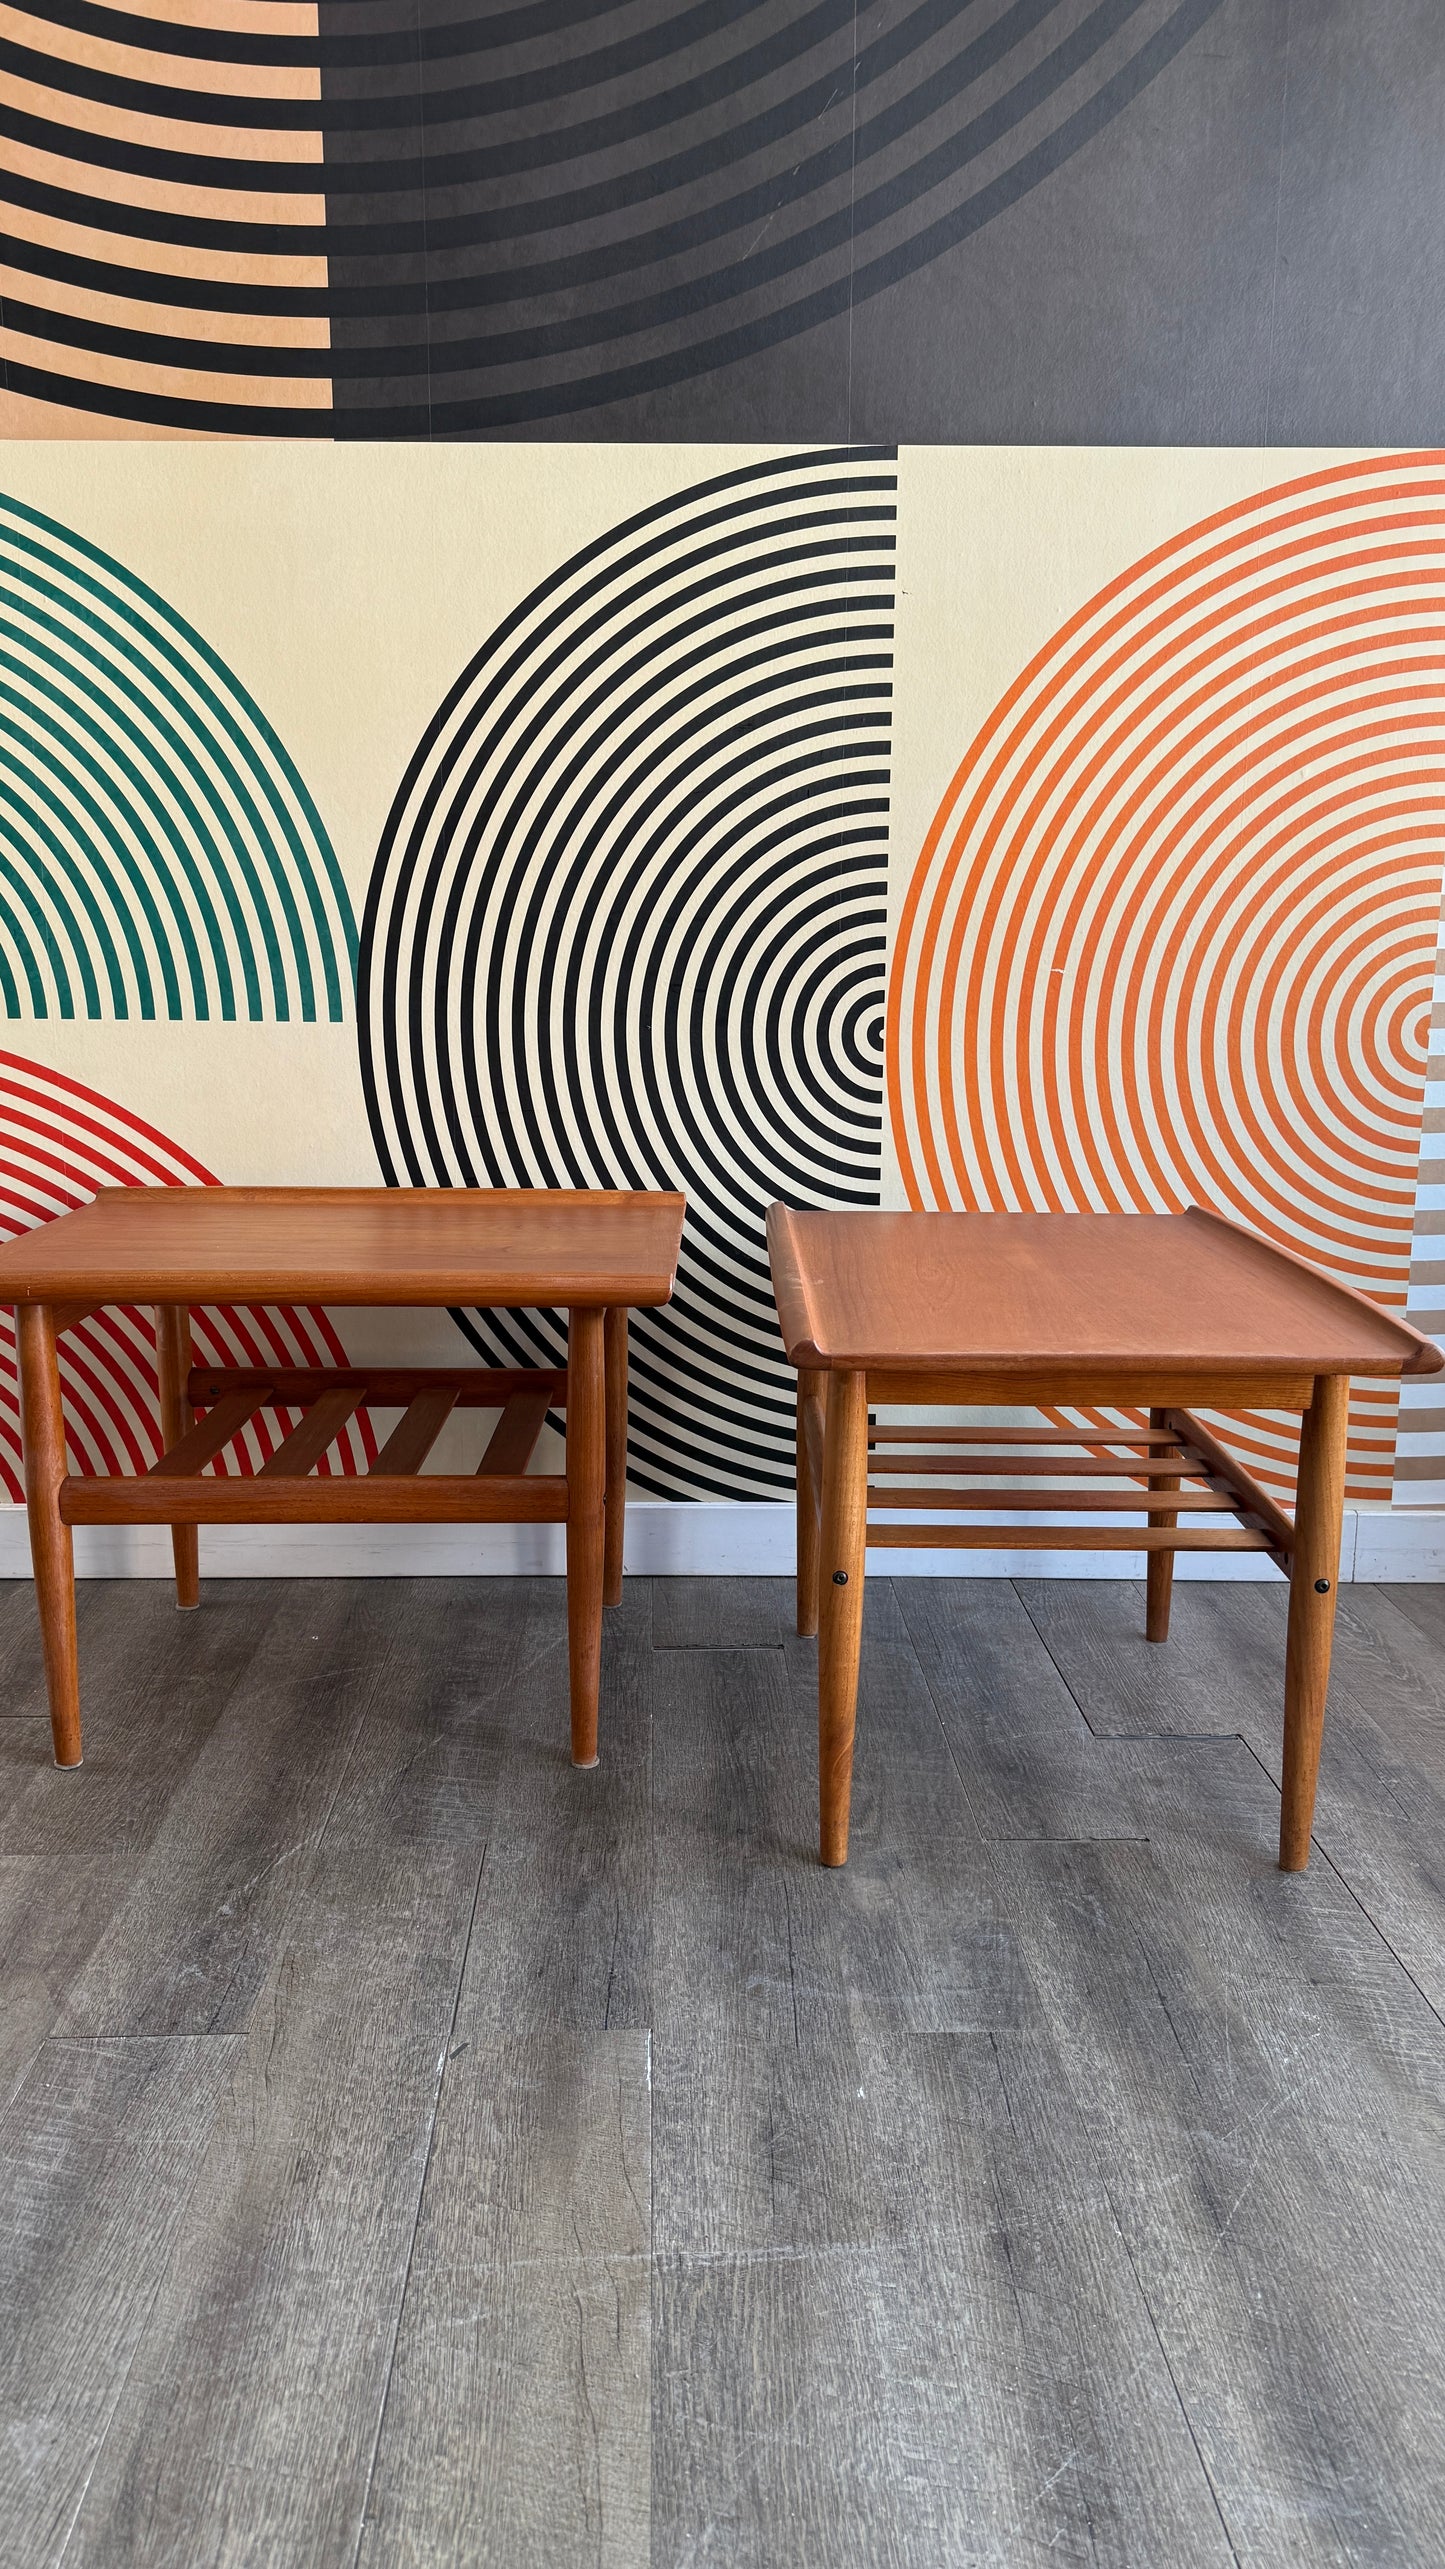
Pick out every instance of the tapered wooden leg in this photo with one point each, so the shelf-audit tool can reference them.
(1314, 1578)
(614, 1340)
(173, 1365)
(586, 1523)
(810, 1495)
(1159, 1572)
(42, 1428)
(845, 1514)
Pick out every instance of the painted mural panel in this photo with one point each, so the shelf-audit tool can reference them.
(658, 777)
(1009, 220)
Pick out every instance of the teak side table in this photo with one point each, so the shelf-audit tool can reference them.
(597, 1255)
(1056, 1310)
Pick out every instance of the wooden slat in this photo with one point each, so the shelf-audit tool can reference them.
(1088, 1438)
(1122, 1502)
(512, 1441)
(414, 1498)
(414, 1435)
(1059, 1538)
(205, 1440)
(973, 1467)
(307, 1443)
(384, 1386)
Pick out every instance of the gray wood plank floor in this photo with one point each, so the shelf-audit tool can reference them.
(413, 2152)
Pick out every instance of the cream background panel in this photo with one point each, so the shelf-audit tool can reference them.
(347, 586)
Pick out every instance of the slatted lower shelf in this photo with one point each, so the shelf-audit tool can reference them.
(181, 1489)
(1175, 1477)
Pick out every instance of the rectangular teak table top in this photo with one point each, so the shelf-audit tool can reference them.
(502, 1248)
(1173, 1293)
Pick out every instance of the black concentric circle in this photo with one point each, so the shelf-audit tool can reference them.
(422, 224)
(627, 921)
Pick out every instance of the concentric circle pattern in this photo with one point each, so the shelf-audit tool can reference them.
(1171, 937)
(59, 1144)
(165, 212)
(253, 214)
(159, 853)
(627, 921)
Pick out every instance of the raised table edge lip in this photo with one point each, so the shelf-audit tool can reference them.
(1193, 1374)
(1057, 1379)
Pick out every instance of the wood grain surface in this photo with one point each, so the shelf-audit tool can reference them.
(1168, 1295)
(412, 1245)
(413, 2151)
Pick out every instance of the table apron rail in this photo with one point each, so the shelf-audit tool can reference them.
(435, 1498)
(1061, 1386)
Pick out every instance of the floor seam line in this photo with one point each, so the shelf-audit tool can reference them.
(937, 1711)
(1164, 2358)
(1077, 2105)
(1323, 1854)
(401, 2300)
(1047, 1648)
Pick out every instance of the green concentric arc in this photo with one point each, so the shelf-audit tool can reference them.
(160, 855)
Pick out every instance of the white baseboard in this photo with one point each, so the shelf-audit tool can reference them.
(706, 1539)
(1400, 1543)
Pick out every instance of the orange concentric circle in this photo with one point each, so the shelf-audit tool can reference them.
(1171, 936)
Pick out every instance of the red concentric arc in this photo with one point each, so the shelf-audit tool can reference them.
(1171, 937)
(60, 1143)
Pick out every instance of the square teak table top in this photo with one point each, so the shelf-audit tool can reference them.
(1168, 1296)
(596, 1253)
(1051, 1311)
